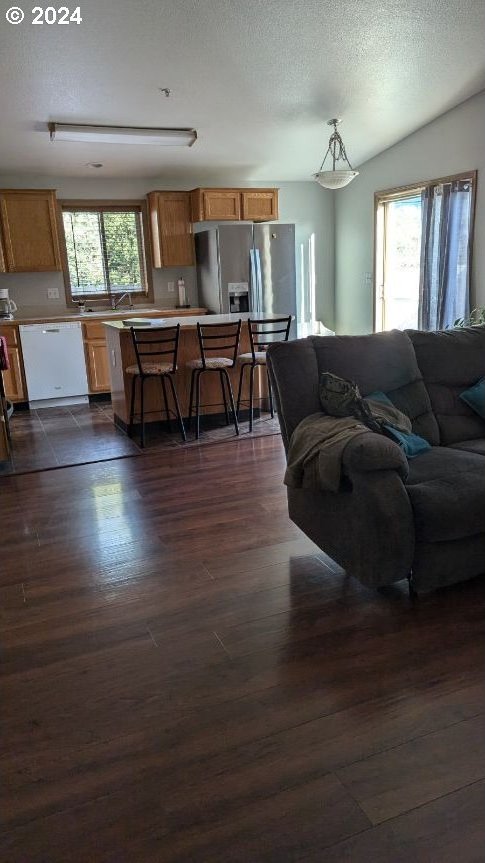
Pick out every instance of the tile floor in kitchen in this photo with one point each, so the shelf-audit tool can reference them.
(57, 437)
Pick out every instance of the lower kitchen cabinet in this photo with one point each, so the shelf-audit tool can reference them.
(98, 367)
(97, 364)
(13, 379)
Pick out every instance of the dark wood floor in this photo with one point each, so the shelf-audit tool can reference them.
(186, 679)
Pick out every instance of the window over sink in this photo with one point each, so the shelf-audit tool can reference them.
(105, 251)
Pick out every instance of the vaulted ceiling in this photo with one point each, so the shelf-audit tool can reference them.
(256, 78)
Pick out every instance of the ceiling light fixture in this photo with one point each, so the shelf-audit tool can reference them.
(122, 135)
(337, 178)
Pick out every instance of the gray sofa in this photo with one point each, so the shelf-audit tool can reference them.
(381, 528)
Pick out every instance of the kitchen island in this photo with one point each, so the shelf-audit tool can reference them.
(122, 355)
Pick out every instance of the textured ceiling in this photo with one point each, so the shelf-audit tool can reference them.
(256, 78)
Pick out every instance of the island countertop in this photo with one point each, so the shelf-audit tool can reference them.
(122, 356)
(189, 321)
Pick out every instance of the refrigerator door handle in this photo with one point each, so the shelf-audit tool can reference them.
(256, 281)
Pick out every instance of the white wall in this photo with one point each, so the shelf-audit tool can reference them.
(305, 204)
(449, 145)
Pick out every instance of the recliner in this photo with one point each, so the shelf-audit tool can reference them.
(379, 528)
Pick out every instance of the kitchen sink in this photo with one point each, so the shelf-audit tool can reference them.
(119, 313)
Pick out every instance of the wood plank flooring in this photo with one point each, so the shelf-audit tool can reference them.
(186, 677)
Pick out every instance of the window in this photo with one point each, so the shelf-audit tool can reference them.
(105, 250)
(423, 237)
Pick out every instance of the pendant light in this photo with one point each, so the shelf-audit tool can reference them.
(337, 178)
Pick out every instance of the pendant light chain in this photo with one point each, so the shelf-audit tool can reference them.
(336, 149)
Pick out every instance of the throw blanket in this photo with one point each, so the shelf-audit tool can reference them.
(318, 443)
(4, 364)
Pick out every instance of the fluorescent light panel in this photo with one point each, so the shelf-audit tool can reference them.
(122, 135)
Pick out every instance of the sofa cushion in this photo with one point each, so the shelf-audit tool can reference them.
(446, 487)
(385, 362)
(451, 361)
(477, 446)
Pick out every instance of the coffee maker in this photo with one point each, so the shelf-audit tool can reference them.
(7, 306)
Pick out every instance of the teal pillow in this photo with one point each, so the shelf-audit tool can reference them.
(475, 398)
(378, 396)
(411, 444)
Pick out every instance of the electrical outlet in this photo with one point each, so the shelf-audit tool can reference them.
(52, 293)
(171, 287)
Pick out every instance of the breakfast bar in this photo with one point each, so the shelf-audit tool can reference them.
(122, 355)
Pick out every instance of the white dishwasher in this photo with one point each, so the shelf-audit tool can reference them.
(55, 367)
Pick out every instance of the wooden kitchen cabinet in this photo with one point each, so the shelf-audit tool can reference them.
(97, 361)
(215, 205)
(259, 205)
(29, 229)
(171, 235)
(13, 379)
(219, 205)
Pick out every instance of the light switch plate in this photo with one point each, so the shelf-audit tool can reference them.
(171, 287)
(52, 293)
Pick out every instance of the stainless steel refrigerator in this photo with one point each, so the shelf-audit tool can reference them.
(248, 268)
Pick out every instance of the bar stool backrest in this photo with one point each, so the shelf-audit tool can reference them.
(156, 344)
(263, 333)
(222, 339)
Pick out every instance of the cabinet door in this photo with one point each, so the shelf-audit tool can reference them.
(29, 223)
(171, 229)
(260, 205)
(13, 379)
(221, 204)
(98, 366)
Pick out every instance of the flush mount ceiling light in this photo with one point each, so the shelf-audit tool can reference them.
(122, 135)
(337, 178)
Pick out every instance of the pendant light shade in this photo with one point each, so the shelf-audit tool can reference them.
(337, 177)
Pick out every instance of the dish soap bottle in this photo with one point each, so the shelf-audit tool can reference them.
(182, 303)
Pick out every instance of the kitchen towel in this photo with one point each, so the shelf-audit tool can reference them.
(4, 363)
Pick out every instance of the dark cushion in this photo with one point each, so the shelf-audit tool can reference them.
(385, 362)
(451, 361)
(446, 487)
(477, 446)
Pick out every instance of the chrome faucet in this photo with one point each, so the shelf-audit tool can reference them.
(116, 299)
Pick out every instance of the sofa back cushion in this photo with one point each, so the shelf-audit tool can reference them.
(294, 376)
(384, 362)
(450, 362)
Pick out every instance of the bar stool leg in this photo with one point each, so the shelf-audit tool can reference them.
(223, 388)
(132, 406)
(239, 389)
(231, 400)
(142, 397)
(251, 396)
(191, 399)
(177, 407)
(167, 412)
(197, 405)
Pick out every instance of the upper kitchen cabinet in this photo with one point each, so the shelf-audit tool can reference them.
(234, 205)
(171, 229)
(259, 205)
(219, 205)
(29, 230)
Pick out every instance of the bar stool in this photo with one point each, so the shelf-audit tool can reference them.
(278, 330)
(156, 351)
(214, 338)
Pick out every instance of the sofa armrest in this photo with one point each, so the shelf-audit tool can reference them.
(372, 452)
